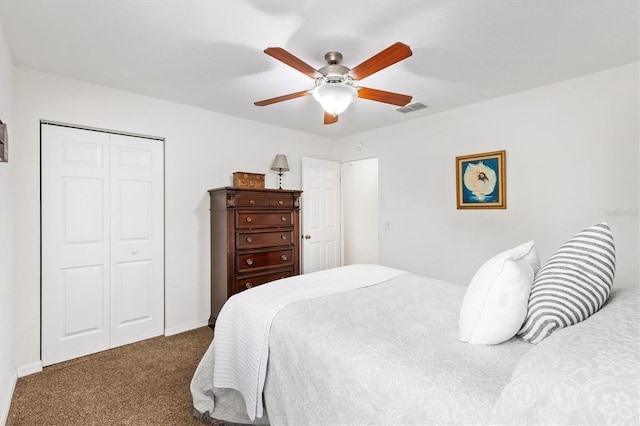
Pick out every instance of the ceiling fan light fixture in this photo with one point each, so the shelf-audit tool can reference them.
(335, 97)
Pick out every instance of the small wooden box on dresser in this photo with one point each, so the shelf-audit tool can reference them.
(255, 238)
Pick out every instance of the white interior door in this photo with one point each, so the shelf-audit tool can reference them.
(320, 214)
(101, 202)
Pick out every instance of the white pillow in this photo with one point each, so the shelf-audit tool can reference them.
(495, 303)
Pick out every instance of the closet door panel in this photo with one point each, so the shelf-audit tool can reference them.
(82, 296)
(75, 243)
(137, 241)
(133, 291)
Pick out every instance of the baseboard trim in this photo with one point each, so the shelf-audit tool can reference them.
(6, 405)
(26, 370)
(181, 329)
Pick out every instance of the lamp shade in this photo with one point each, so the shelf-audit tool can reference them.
(280, 163)
(335, 97)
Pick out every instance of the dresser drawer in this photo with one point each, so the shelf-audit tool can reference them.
(264, 259)
(262, 200)
(263, 219)
(252, 239)
(248, 281)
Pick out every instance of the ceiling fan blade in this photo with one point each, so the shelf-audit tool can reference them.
(389, 56)
(330, 119)
(282, 98)
(382, 96)
(283, 56)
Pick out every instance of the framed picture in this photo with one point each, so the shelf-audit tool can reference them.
(4, 143)
(481, 181)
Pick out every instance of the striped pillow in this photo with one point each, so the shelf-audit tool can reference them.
(572, 285)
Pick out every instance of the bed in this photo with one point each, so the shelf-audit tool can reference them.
(389, 350)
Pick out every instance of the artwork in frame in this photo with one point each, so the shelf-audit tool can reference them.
(481, 181)
(4, 143)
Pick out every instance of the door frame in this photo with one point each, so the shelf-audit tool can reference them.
(341, 208)
(344, 204)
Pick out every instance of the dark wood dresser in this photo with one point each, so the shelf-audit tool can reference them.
(255, 238)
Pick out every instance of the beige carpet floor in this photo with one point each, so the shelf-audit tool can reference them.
(145, 383)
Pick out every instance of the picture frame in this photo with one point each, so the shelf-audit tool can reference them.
(4, 143)
(481, 181)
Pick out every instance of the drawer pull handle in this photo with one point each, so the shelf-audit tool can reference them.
(248, 218)
(252, 202)
(280, 202)
(284, 257)
(249, 262)
(248, 285)
(283, 218)
(284, 237)
(249, 239)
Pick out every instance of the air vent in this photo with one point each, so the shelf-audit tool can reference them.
(412, 107)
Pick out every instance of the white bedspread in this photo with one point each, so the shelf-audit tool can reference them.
(242, 327)
(383, 355)
(389, 354)
(586, 374)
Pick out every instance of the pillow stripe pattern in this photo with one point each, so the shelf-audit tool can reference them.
(572, 285)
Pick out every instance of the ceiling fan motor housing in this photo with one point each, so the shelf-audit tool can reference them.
(334, 70)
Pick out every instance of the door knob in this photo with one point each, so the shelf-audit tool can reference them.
(306, 237)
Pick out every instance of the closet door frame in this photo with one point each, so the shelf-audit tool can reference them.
(79, 188)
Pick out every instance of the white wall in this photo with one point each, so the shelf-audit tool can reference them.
(7, 366)
(572, 161)
(202, 150)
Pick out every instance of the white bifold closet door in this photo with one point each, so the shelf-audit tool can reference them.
(102, 241)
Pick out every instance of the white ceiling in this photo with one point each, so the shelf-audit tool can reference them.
(209, 54)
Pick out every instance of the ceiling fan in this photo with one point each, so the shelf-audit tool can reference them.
(335, 89)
